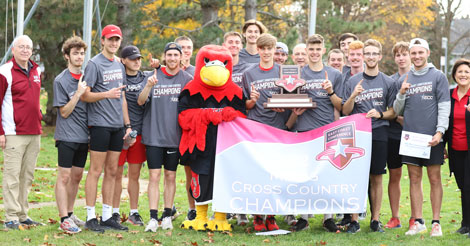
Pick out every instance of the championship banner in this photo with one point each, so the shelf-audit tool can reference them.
(263, 170)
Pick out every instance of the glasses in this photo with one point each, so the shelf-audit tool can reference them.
(371, 54)
(25, 47)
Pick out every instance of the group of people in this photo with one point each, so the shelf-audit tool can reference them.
(101, 109)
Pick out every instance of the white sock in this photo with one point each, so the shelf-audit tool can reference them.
(90, 213)
(115, 210)
(133, 211)
(106, 212)
(327, 216)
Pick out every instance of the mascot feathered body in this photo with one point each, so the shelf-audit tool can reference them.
(209, 99)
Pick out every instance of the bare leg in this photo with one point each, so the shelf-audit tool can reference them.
(118, 187)
(154, 188)
(97, 160)
(416, 190)
(376, 195)
(169, 188)
(434, 174)
(63, 179)
(72, 187)
(133, 184)
(110, 170)
(394, 191)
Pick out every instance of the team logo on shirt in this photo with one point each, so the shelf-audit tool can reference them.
(36, 79)
(340, 146)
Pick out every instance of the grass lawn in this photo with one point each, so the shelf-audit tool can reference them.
(43, 191)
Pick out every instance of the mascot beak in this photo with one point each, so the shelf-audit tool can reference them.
(214, 73)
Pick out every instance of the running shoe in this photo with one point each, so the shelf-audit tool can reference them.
(14, 225)
(69, 226)
(191, 214)
(258, 224)
(300, 225)
(376, 226)
(242, 220)
(463, 230)
(393, 223)
(290, 219)
(135, 219)
(77, 221)
(116, 217)
(31, 222)
(330, 225)
(271, 223)
(93, 225)
(111, 223)
(152, 225)
(167, 223)
(353, 227)
(436, 230)
(416, 228)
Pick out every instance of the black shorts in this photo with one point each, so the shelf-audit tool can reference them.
(71, 154)
(103, 139)
(378, 159)
(393, 156)
(159, 156)
(201, 187)
(436, 158)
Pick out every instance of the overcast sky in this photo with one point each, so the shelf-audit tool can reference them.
(464, 9)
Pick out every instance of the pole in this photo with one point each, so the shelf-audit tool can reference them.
(20, 18)
(87, 25)
(28, 17)
(313, 17)
(98, 19)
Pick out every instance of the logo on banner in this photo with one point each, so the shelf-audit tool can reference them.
(340, 146)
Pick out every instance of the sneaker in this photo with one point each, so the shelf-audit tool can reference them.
(69, 226)
(344, 221)
(362, 216)
(411, 222)
(339, 216)
(229, 216)
(116, 217)
(376, 226)
(271, 223)
(93, 225)
(436, 230)
(353, 227)
(174, 213)
(463, 230)
(111, 223)
(393, 223)
(14, 225)
(135, 219)
(77, 221)
(290, 219)
(301, 225)
(258, 223)
(31, 222)
(242, 220)
(330, 225)
(167, 224)
(152, 225)
(416, 228)
(191, 214)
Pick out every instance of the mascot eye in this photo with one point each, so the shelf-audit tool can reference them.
(225, 63)
(206, 60)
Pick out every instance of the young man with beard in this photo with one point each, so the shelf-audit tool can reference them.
(336, 59)
(282, 53)
(109, 125)
(372, 92)
(424, 100)
(401, 55)
(322, 85)
(258, 84)
(344, 41)
(299, 54)
(71, 132)
(135, 154)
(161, 133)
(251, 31)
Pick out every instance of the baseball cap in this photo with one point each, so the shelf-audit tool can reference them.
(419, 42)
(172, 46)
(283, 47)
(110, 31)
(130, 52)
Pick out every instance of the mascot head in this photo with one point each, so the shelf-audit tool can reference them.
(213, 65)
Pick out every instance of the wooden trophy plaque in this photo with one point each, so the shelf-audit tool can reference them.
(290, 81)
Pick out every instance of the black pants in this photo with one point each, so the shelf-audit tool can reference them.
(461, 168)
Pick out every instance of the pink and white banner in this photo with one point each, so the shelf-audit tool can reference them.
(263, 170)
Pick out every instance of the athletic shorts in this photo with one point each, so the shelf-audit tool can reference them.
(159, 156)
(103, 139)
(134, 154)
(436, 158)
(201, 187)
(378, 159)
(71, 154)
(393, 156)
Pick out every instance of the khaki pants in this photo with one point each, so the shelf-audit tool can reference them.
(20, 156)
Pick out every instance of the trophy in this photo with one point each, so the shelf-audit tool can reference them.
(290, 81)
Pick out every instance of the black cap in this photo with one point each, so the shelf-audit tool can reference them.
(130, 52)
(172, 46)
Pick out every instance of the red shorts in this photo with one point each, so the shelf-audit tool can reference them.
(135, 154)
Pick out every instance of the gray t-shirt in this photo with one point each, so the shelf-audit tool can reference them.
(379, 93)
(324, 113)
(263, 81)
(245, 57)
(102, 75)
(421, 103)
(135, 84)
(394, 130)
(73, 128)
(190, 69)
(160, 125)
(237, 72)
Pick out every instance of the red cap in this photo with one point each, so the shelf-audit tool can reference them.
(110, 31)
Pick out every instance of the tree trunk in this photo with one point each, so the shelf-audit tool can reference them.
(122, 21)
(209, 9)
(250, 9)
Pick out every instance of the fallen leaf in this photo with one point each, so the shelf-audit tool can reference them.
(266, 241)
(168, 233)
(134, 232)
(52, 221)
(210, 234)
(124, 218)
(119, 236)
(57, 236)
(142, 240)
(210, 240)
(154, 241)
(249, 230)
(194, 244)
(228, 233)
(452, 221)
(422, 237)
(46, 237)
(322, 242)
(27, 240)
(89, 244)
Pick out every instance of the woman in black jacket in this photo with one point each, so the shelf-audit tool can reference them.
(458, 137)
